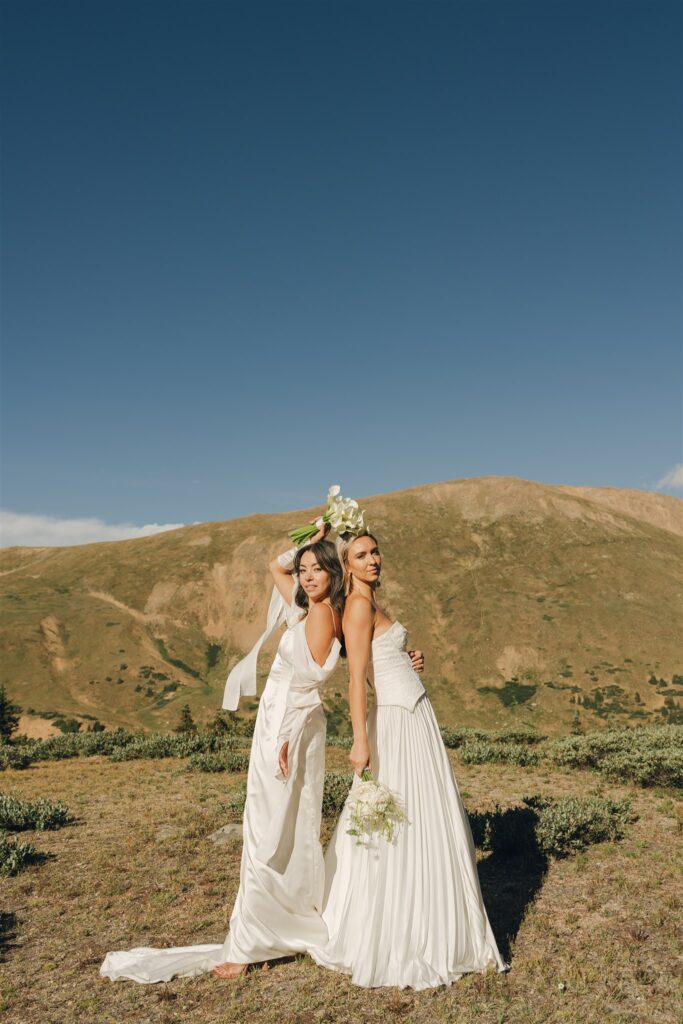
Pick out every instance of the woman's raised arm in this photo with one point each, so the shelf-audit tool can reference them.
(281, 571)
(359, 620)
(281, 567)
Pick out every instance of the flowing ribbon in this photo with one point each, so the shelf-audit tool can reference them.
(242, 678)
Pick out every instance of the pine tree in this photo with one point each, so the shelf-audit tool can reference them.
(9, 715)
(577, 727)
(224, 722)
(187, 722)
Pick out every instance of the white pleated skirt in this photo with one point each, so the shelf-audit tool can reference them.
(408, 913)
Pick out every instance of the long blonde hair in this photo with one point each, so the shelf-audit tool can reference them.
(344, 542)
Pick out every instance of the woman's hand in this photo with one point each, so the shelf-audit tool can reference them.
(418, 660)
(323, 530)
(359, 755)
(283, 758)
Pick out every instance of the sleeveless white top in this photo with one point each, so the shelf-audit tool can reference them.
(395, 680)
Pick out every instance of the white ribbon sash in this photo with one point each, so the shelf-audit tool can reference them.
(242, 678)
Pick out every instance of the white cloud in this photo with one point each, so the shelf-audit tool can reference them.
(674, 478)
(16, 528)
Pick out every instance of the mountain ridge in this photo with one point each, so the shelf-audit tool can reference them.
(532, 602)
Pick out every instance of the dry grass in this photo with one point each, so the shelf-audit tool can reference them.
(592, 938)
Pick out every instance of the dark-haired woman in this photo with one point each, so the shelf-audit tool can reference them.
(282, 878)
(277, 910)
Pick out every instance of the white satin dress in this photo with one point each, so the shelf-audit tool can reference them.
(411, 912)
(278, 905)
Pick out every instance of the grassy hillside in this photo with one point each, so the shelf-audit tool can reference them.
(531, 602)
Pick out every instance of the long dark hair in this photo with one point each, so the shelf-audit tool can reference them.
(326, 556)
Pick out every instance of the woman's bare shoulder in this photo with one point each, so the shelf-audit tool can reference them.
(359, 608)
(320, 612)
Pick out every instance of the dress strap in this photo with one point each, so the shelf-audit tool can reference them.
(334, 620)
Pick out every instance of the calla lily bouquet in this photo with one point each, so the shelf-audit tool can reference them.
(374, 809)
(343, 515)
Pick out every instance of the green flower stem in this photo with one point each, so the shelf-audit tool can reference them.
(302, 534)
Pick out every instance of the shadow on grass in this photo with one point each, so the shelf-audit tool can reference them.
(8, 923)
(513, 872)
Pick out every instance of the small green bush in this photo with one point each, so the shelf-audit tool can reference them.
(158, 745)
(480, 752)
(114, 743)
(14, 857)
(11, 757)
(648, 755)
(342, 742)
(336, 790)
(568, 824)
(455, 738)
(17, 815)
(519, 735)
(210, 762)
(545, 827)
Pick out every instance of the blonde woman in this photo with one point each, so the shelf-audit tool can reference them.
(410, 912)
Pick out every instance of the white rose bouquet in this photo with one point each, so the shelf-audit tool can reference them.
(374, 809)
(343, 515)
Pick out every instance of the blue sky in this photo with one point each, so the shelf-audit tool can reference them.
(252, 249)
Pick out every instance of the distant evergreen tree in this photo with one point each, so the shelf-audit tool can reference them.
(96, 726)
(67, 725)
(187, 722)
(9, 714)
(223, 722)
(577, 728)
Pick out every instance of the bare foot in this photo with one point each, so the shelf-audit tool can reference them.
(229, 970)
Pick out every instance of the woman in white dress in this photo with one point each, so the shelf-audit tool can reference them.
(277, 909)
(408, 912)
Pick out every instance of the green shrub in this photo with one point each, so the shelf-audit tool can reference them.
(210, 762)
(646, 767)
(455, 738)
(569, 823)
(158, 745)
(67, 725)
(85, 744)
(480, 752)
(14, 857)
(545, 826)
(11, 757)
(114, 743)
(17, 815)
(518, 735)
(336, 790)
(342, 742)
(650, 755)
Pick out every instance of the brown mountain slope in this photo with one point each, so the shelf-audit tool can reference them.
(530, 600)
